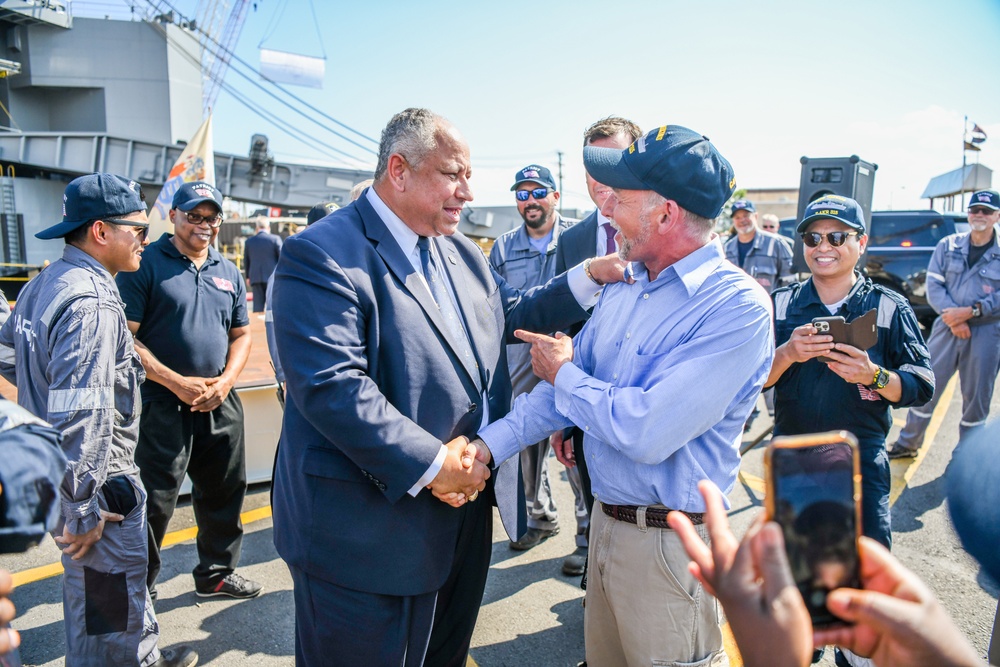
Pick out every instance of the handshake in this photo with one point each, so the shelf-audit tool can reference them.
(464, 472)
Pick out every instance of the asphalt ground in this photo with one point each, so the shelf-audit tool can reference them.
(532, 614)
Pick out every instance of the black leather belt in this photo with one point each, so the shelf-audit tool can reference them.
(655, 517)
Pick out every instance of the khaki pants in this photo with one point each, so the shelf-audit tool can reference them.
(643, 606)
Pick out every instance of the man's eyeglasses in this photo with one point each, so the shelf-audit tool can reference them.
(836, 239)
(981, 210)
(537, 193)
(141, 227)
(212, 221)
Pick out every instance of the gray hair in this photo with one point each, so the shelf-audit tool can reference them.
(412, 133)
(696, 224)
(263, 223)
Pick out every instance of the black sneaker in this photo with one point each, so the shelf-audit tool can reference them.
(232, 585)
(179, 656)
(897, 451)
(533, 538)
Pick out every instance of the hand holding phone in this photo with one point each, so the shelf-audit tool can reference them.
(862, 333)
(814, 494)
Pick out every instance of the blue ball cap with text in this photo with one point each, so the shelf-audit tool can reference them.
(534, 174)
(673, 161)
(93, 197)
(191, 194)
(987, 198)
(743, 205)
(835, 207)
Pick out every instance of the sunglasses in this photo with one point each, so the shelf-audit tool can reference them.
(213, 221)
(835, 239)
(143, 226)
(981, 210)
(537, 193)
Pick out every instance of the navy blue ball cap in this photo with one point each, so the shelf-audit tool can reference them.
(92, 197)
(973, 495)
(987, 198)
(743, 205)
(191, 194)
(320, 211)
(835, 207)
(673, 161)
(534, 174)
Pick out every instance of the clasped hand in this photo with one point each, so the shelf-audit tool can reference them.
(464, 472)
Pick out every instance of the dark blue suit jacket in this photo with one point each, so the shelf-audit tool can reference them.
(576, 244)
(374, 386)
(260, 254)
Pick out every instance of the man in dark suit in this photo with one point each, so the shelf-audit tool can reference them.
(391, 329)
(260, 256)
(591, 237)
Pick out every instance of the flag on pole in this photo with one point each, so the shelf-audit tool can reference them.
(978, 134)
(196, 163)
(972, 147)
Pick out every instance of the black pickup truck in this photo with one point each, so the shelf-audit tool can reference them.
(900, 245)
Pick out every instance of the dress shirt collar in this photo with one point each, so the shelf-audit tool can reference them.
(405, 237)
(692, 270)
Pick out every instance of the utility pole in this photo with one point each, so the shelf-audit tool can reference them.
(560, 155)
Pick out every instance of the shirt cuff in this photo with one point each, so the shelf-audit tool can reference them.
(81, 517)
(501, 440)
(585, 290)
(568, 377)
(431, 472)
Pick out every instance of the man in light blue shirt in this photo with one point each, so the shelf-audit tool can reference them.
(661, 380)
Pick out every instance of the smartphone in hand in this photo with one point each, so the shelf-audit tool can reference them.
(814, 494)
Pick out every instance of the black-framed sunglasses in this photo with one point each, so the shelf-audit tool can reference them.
(981, 210)
(214, 221)
(836, 239)
(537, 193)
(144, 226)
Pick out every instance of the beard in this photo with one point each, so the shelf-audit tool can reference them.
(538, 222)
(628, 245)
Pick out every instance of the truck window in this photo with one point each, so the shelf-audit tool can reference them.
(902, 231)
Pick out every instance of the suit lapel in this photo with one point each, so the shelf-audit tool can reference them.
(461, 279)
(586, 242)
(399, 265)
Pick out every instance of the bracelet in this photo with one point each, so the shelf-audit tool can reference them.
(586, 270)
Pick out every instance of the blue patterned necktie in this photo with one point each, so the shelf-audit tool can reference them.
(435, 281)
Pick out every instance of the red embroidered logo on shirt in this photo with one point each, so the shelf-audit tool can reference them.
(223, 284)
(868, 394)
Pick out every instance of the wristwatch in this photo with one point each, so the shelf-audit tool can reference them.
(977, 309)
(880, 380)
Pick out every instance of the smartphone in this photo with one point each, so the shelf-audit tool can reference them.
(862, 333)
(814, 494)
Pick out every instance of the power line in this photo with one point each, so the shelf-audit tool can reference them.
(280, 124)
(284, 90)
(284, 102)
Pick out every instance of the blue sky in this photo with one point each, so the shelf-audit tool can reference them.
(768, 82)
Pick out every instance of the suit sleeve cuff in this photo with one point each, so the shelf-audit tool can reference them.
(431, 472)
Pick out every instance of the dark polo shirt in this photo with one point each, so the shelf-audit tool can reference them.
(184, 313)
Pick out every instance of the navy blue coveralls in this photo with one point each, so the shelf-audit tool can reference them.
(811, 398)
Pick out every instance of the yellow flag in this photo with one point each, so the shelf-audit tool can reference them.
(196, 163)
